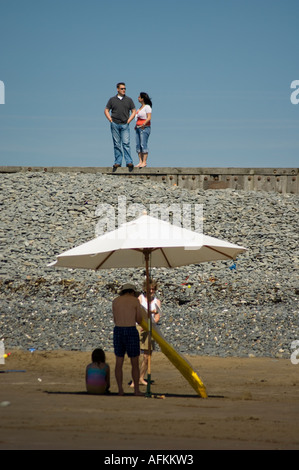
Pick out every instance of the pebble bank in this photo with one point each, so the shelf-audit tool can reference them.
(247, 308)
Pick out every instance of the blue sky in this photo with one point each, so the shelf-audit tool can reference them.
(218, 71)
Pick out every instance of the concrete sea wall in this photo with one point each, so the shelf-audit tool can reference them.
(281, 180)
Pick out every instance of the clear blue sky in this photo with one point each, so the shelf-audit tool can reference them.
(218, 71)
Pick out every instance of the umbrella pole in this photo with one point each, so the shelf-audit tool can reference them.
(149, 318)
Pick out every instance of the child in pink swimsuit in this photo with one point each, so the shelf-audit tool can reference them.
(97, 374)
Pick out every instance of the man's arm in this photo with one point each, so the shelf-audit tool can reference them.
(133, 113)
(107, 114)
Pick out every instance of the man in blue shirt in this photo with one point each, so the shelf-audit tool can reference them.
(120, 111)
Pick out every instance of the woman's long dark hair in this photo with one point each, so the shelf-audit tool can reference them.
(146, 98)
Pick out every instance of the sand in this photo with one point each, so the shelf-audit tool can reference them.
(253, 403)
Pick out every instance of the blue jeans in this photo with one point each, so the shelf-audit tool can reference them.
(121, 142)
(142, 136)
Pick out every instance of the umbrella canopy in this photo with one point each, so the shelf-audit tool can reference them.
(169, 246)
(146, 238)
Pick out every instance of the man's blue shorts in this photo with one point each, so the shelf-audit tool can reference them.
(126, 340)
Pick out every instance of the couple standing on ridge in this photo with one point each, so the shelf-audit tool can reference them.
(120, 111)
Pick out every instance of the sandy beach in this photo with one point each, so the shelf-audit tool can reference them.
(252, 403)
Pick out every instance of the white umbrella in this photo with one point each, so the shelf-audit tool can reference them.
(146, 239)
(127, 246)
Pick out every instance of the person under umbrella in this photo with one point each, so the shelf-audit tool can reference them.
(155, 308)
(127, 312)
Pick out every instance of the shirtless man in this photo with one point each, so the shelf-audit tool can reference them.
(126, 311)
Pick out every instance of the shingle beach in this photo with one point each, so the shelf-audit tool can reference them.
(248, 308)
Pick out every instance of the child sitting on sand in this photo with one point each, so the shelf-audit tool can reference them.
(98, 374)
